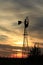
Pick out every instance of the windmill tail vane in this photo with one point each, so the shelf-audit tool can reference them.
(19, 22)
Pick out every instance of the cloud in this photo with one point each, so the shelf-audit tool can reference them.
(37, 28)
(3, 37)
(7, 50)
(38, 25)
(4, 29)
(13, 10)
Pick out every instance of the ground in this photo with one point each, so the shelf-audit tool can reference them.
(32, 60)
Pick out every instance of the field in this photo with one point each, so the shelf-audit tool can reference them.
(32, 60)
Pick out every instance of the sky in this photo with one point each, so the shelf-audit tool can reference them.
(13, 10)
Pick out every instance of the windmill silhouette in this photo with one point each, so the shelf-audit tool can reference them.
(25, 35)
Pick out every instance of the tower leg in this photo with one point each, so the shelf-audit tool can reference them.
(25, 43)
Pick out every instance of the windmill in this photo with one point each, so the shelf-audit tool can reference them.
(25, 35)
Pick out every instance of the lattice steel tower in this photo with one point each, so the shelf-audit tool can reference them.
(25, 40)
(25, 35)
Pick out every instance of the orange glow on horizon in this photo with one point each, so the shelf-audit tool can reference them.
(18, 55)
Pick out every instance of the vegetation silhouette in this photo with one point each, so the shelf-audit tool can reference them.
(35, 51)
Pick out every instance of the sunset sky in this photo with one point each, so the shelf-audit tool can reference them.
(13, 10)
